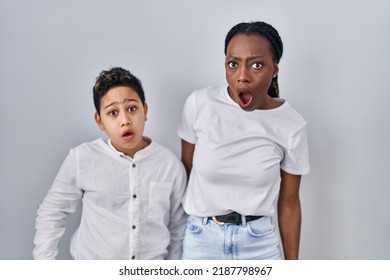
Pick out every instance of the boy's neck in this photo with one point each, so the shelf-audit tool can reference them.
(144, 143)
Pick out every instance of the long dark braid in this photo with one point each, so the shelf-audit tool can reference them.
(265, 30)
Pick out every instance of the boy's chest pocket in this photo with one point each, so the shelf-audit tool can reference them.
(159, 200)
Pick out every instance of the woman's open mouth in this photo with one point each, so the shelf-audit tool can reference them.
(244, 98)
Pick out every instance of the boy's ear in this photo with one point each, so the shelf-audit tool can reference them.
(146, 111)
(98, 121)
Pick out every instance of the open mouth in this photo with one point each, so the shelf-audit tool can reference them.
(127, 135)
(244, 98)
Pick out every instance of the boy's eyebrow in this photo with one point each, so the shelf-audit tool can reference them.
(125, 100)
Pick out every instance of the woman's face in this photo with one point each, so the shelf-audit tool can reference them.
(249, 71)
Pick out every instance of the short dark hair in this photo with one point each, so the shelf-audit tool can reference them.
(115, 77)
(264, 30)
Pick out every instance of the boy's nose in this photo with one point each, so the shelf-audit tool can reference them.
(125, 121)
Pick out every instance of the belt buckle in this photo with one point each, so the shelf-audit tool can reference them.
(216, 221)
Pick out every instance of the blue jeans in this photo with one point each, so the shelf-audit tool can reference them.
(206, 240)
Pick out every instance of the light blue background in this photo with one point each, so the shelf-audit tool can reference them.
(334, 72)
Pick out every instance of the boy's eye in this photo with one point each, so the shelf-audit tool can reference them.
(132, 108)
(257, 65)
(113, 113)
(232, 64)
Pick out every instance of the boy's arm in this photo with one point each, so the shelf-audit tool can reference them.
(61, 200)
(178, 217)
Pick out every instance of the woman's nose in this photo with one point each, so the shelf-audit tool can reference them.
(243, 75)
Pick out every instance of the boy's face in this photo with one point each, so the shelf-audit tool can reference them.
(122, 117)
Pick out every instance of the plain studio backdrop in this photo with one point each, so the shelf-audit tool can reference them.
(334, 72)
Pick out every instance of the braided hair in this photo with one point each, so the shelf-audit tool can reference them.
(264, 30)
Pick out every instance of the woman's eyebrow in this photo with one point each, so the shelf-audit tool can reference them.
(239, 58)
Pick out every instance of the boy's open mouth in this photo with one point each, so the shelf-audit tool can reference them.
(127, 135)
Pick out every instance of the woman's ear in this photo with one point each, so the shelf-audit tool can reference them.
(276, 69)
(99, 122)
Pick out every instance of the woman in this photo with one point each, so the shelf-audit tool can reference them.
(245, 150)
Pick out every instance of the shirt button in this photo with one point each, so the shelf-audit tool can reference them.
(134, 165)
(134, 196)
(133, 257)
(133, 227)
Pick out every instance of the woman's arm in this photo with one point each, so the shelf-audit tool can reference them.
(289, 214)
(187, 154)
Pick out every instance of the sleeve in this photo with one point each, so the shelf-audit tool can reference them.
(178, 217)
(61, 200)
(296, 158)
(186, 129)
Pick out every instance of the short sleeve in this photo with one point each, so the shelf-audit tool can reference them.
(186, 129)
(296, 158)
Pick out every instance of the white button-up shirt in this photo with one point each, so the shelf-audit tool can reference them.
(131, 207)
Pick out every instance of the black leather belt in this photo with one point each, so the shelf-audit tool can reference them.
(232, 218)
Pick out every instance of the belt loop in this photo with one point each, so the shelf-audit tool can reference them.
(243, 220)
(205, 220)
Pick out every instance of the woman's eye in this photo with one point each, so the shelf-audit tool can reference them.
(232, 64)
(132, 108)
(256, 65)
(112, 113)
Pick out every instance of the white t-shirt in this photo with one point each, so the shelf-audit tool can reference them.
(238, 154)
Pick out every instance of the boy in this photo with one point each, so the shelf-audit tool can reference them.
(130, 186)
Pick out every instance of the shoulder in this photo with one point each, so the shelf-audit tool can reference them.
(84, 151)
(164, 163)
(94, 147)
(163, 151)
(164, 154)
(289, 117)
(97, 143)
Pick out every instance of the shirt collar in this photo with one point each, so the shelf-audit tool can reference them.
(137, 155)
